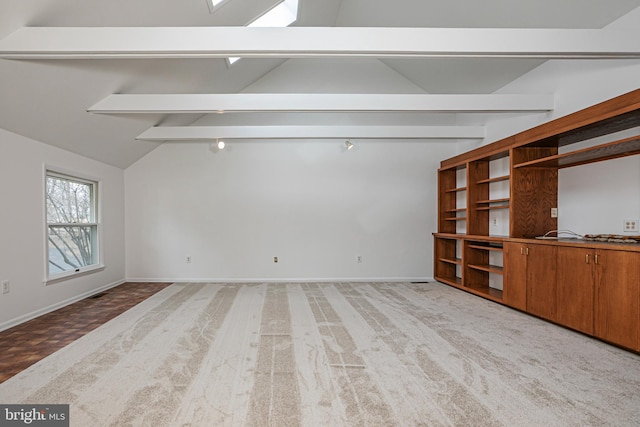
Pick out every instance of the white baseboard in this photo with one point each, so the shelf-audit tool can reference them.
(278, 280)
(29, 316)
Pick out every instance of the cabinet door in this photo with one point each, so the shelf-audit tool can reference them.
(617, 297)
(515, 275)
(541, 280)
(575, 288)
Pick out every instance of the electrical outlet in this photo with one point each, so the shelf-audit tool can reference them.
(5, 287)
(359, 259)
(630, 226)
(554, 212)
(494, 222)
(275, 259)
(188, 259)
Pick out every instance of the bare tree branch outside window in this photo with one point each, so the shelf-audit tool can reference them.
(71, 223)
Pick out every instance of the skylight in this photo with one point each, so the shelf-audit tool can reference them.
(282, 15)
(213, 4)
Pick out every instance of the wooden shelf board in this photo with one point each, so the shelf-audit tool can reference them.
(612, 150)
(459, 218)
(486, 292)
(453, 190)
(496, 179)
(486, 248)
(449, 236)
(610, 116)
(486, 267)
(503, 200)
(453, 281)
(456, 210)
(475, 237)
(495, 293)
(488, 208)
(456, 261)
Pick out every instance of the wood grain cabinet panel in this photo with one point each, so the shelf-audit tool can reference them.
(617, 316)
(515, 276)
(530, 278)
(575, 288)
(541, 280)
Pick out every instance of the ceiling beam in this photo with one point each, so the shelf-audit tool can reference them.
(294, 42)
(315, 102)
(209, 133)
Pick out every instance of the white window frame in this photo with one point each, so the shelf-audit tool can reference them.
(96, 226)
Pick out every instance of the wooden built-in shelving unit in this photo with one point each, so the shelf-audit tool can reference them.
(612, 150)
(472, 259)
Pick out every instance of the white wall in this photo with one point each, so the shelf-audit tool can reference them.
(593, 198)
(22, 220)
(310, 203)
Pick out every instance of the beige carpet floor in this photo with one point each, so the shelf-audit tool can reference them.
(332, 354)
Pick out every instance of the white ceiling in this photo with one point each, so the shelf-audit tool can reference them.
(47, 99)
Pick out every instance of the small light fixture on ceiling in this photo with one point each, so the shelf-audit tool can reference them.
(220, 144)
(348, 144)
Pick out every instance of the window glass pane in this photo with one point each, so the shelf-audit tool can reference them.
(71, 247)
(72, 224)
(68, 201)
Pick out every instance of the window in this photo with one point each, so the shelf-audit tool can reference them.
(72, 224)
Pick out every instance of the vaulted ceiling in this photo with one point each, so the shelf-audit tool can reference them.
(290, 83)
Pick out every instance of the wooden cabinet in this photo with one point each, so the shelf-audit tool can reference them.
(592, 288)
(576, 288)
(515, 276)
(617, 297)
(530, 278)
(598, 293)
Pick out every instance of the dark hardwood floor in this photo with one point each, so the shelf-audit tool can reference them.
(29, 342)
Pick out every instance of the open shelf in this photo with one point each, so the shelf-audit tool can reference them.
(486, 248)
(506, 199)
(496, 179)
(492, 204)
(612, 150)
(454, 281)
(458, 218)
(489, 208)
(456, 261)
(488, 268)
(483, 291)
(454, 190)
(487, 292)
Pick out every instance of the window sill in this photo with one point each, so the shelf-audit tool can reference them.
(73, 274)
